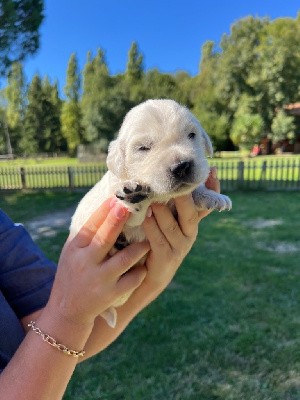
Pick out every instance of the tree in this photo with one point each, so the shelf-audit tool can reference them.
(71, 123)
(96, 86)
(51, 137)
(5, 143)
(275, 75)
(283, 126)
(132, 79)
(134, 70)
(34, 118)
(158, 85)
(15, 103)
(247, 127)
(206, 101)
(255, 61)
(19, 24)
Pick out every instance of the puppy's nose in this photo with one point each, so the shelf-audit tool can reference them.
(182, 169)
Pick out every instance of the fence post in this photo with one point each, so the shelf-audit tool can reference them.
(23, 177)
(71, 177)
(240, 177)
(263, 173)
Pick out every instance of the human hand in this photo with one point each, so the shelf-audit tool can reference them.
(87, 280)
(170, 239)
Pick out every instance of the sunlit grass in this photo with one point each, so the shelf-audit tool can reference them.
(227, 328)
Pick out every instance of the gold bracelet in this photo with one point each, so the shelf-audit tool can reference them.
(50, 340)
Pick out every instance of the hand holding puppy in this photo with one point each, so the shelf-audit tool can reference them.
(87, 280)
(171, 239)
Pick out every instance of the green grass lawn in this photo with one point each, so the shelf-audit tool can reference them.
(227, 328)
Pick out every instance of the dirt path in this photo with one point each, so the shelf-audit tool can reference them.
(49, 224)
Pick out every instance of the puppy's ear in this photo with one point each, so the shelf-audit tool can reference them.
(208, 144)
(116, 158)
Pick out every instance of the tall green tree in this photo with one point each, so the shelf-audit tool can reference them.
(159, 85)
(5, 142)
(96, 86)
(134, 69)
(15, 103)
(71, 118)
(34, 118)
(283, 126)
(205, 100)
(133, 76)
(255, 61)
(20, 21)
(275, 76)
(248, 125)
(51, 138)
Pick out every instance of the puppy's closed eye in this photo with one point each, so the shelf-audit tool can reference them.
(144, 148)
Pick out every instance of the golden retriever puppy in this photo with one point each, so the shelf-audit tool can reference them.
(160, 153)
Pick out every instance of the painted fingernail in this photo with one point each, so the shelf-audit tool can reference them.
(149, 212)
(113, 202)
(213, 172)
(120, 211)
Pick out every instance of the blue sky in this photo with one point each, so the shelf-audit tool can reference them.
(169, 33)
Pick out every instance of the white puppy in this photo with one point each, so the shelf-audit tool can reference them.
(160, 153)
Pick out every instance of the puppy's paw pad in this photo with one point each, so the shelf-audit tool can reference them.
(133, 192)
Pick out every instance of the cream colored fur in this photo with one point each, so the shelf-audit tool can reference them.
(160, 153)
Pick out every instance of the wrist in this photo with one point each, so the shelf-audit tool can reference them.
(71, 334)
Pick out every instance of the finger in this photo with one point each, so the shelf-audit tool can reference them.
(158, 241)
(124, 259)
(187, 215)
(131, 280)
(108, 232)
(203, 213)
(91, 226)
(212, 181)
(168, 225)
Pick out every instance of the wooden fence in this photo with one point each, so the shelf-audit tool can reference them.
(252, 174)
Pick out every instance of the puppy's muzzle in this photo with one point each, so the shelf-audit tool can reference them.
(182, 171)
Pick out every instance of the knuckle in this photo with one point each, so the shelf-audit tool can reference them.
(193, 219)
(113, 221)
(172, 227)
(125, 259)
(89, 229)
(160, 240)
(103, 241)
(138, 275)
(135, 280)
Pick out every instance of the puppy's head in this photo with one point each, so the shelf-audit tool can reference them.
(163, 145)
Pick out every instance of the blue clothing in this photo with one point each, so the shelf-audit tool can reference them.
(26, 278)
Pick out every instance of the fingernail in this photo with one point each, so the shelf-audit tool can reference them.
(120, 211)
(113, 202)
(149, 212)
(213, 172)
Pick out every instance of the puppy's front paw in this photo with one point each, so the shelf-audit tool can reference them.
(223, 203)
(133, 192)
(211, 200)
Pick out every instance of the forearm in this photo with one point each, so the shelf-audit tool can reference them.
(39, 371)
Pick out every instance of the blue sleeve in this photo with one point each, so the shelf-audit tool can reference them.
(26, 275)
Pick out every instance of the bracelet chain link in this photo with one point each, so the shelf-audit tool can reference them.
(50, 340)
